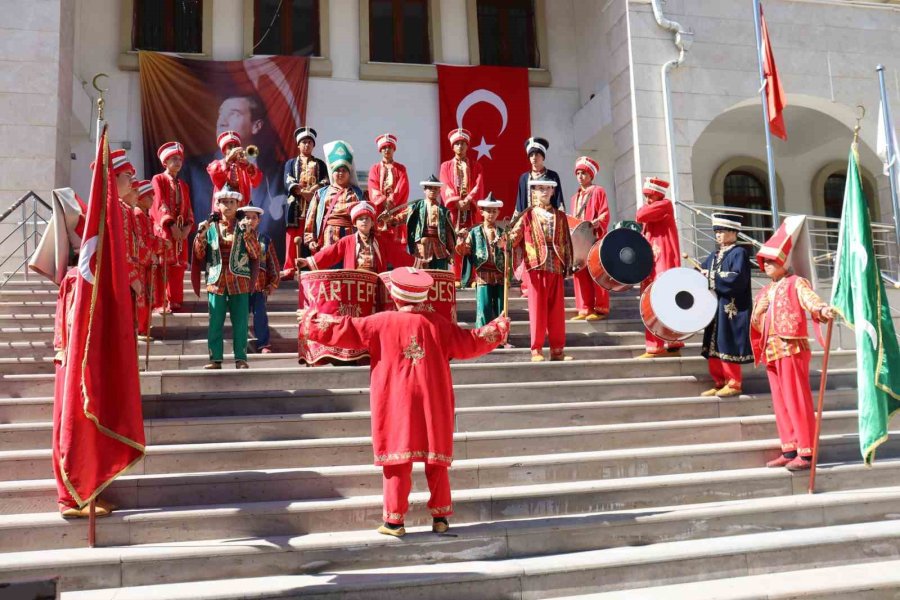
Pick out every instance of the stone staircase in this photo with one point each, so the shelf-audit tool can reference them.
(603, 477)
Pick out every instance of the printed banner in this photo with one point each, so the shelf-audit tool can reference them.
(193, 101)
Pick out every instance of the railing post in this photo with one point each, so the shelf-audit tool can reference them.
(25, 235)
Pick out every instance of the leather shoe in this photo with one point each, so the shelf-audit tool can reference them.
(537, 357)
(653, 355)
(213, 366)
(265, 350)
(440, 525)
(241, 364)
(728, 392)
(710, 392)
(579, 318)
(595, 317)
(781, 461)
(799, 464)
(395, 530)
(84, 513)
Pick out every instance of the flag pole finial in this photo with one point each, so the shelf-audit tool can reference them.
(861, 114)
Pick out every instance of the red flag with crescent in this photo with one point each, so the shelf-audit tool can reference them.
(101, 432)
(492, 103)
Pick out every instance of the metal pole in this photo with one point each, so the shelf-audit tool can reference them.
(891, 152)
(770, 158)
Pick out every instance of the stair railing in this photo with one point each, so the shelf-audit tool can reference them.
(30, 224)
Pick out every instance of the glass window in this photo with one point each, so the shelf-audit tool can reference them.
(167, 25)
(286, 27)
(745, 190)
(507, 33)
(399, 31)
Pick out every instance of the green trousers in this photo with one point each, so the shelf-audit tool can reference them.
(490, 303)
(238, 308)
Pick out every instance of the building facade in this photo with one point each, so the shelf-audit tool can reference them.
(596, 85)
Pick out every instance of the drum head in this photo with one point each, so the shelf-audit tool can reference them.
(682, 300)
(626, 256)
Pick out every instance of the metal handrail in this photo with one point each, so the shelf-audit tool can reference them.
(32, 220)
(21, 201)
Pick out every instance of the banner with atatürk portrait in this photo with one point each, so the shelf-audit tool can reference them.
(193, 101)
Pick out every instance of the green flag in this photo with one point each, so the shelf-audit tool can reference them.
(859, 297)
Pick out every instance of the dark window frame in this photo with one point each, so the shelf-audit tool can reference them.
(760, 198)
(285, 26)
(504, 49)
(168, 27)
(398, 38)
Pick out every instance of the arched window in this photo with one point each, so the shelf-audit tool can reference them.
(745, 190)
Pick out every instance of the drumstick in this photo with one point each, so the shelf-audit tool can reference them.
(693, 262)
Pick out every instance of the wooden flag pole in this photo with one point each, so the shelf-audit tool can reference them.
(165, 294)
(815, 456)
(149, 318)
(92, 524)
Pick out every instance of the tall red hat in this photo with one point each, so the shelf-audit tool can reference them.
(120, 162)
(586, 163)
(790, 248)
(359, 209)
(410, 285)
(459, 135)
(168, 150)
(228, 137)
(655, 188)
(386, 139)
(144, 187)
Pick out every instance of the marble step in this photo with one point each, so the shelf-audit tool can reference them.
(39, 408)
(471, 505)
(306, 378)
(288, 484)
(83, 568)
(17, 465)
(21, 365)
(864, 581)
(559, 575)
(216, 428)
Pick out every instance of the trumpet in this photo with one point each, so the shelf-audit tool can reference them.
(251, 153)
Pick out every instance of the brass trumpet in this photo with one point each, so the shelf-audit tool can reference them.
(251, 153)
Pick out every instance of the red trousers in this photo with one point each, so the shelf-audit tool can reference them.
(546, 309)
(63, 498)
(590, 297)
(173, 294)
(290, 248)
(793, 403)
(397, 482)
(725, 373)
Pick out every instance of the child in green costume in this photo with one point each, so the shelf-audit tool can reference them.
(483, 262)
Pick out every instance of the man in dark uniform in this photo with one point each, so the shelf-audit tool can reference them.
(303, 176)
(726, 341)
(536, 148)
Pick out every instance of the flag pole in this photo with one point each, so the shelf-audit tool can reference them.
(891, 152)
(92, 524)
(770, 158)
(821, 407)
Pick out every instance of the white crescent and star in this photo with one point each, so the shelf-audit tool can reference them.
(88, 249)
(488, 97)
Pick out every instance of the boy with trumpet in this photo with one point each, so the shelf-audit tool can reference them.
(235, 169)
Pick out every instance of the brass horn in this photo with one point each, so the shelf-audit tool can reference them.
(252, 154)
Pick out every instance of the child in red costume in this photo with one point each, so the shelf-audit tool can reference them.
(589, 204)
(411, 388)
(173, 220)
(658, 218)
(358, 251)
(780, 338)
(389, 188)
(148, 250)
(462, 187)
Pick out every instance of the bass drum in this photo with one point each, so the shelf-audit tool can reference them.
(621, 260)
(678, 304)
(583, 238)
(339, 292)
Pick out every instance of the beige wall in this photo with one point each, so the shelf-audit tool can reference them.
(826, 54)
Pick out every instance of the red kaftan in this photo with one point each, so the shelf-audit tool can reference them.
(394, 239)
(658, 219)
(62, 330)
(590, 205)
(411, 389)
(245, 178)
(349, 252)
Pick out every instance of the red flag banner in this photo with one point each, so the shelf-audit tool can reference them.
(102, 426)
(492, 103)
(775, 98)
(263, 99)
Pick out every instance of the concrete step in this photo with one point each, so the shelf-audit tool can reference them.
(268, 485)
(22, 365)
(36, 531)
(17, 465)
(801, 514)
(23, 410)
(863, 581)
(216, 428)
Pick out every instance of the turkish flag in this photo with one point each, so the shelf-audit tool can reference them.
(492, 103)
(775, 98)
(101, 432)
